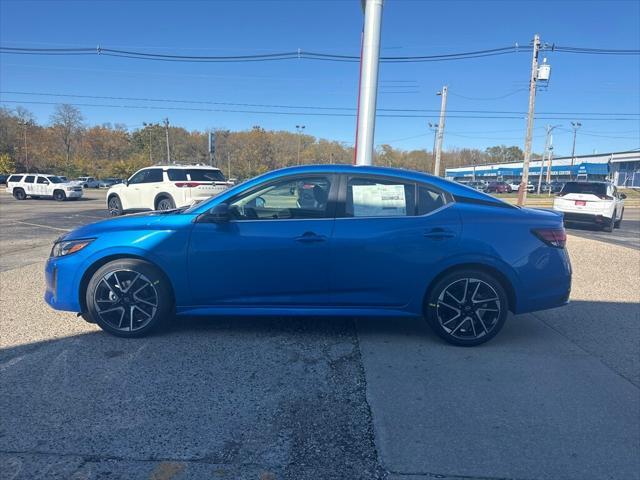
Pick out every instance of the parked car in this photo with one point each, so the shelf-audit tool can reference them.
(497, 187)
(36, 185)
(324, 240)
(478, 185)
(556, 187)
(514, 186)
(595, 203)
(165, 188)
(109, 182)
(3, 179)
(88, 182)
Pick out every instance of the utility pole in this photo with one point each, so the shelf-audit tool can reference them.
(166, 130)
(550, 156)
(440, 136)
(299, 129)
(149, 126)
(575, 126)
(26, 154)
(522, 191)
(547, 143)
(368, 88)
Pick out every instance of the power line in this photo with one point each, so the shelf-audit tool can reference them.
(301, 107)
(300, 54)
(300, 113)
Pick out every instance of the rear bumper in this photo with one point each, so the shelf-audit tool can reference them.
(590, 218)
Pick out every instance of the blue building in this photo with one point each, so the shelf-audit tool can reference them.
(622, 168)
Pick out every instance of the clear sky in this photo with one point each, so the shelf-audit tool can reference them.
(579, 83)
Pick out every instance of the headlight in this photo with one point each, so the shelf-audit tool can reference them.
(60, 249)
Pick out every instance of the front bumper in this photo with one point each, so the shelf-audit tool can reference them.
(73, 193)
(61, 292)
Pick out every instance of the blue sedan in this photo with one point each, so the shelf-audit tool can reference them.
(319, 240)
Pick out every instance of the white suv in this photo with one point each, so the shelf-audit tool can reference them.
(596, 203)
(165, 187)
(34, 185)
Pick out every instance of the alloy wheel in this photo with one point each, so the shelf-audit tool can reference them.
(126, 300)
(165, 204)
(468, 309)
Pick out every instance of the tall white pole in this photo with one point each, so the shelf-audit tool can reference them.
(440, 136)
(368, 82)
(522, 191)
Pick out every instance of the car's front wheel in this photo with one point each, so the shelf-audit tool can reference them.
(467, 307)
(59, 195)
(128, 297)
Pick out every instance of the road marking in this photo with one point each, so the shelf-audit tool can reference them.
(42, 226)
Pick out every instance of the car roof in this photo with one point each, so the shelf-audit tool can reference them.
(191, 167)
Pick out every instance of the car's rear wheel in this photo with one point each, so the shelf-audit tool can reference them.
(19, 194)
(609, 223)
(619, 221)
(165, 203)
(59, 195)
(115, 206)
(128, 298)
(467, 307)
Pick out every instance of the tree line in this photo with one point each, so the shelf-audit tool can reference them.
(67, 146)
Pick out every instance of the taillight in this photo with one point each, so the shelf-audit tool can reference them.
(187, 184)
(554, 237)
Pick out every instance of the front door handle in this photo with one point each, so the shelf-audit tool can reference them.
(310, 237)
(439, 234)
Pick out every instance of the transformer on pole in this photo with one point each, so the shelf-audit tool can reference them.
(368, 88)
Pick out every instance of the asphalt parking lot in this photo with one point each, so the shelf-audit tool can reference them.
(555, 395)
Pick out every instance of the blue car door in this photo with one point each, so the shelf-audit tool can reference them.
(274, 251)
(389, 235)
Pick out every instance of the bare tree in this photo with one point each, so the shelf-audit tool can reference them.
(67, 122)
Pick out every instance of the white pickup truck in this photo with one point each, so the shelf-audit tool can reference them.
(36, 185)
(595, 203)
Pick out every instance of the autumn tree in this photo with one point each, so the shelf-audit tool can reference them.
(67, 123)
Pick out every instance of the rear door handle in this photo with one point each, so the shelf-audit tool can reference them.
(310, 237)
(439, 234)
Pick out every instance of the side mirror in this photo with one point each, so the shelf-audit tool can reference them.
(218, 214)
(623, 196)
(126, 182)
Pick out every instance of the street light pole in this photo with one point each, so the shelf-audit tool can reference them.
(299, 129)
(544, 154)
(522, 191)
(166, 129)
(434, 128)
(440, 136)
(368, 89)
(575, 126)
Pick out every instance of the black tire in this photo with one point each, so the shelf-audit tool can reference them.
(115, 206)
(19, 194)
(618, 222)
(165, 203)
(483, 294)
(59, 195)
(115, 296)
(608, 227)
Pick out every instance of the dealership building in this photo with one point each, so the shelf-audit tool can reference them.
(622, 168)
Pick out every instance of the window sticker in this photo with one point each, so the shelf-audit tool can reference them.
(379, 201)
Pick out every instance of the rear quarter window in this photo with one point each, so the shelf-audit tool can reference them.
(14, 178)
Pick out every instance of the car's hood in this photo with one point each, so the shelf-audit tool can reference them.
(166, 220)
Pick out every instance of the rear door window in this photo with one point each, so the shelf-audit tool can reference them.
(29, 179)
(377, 197)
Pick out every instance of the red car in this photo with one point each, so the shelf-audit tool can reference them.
(498, 187)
